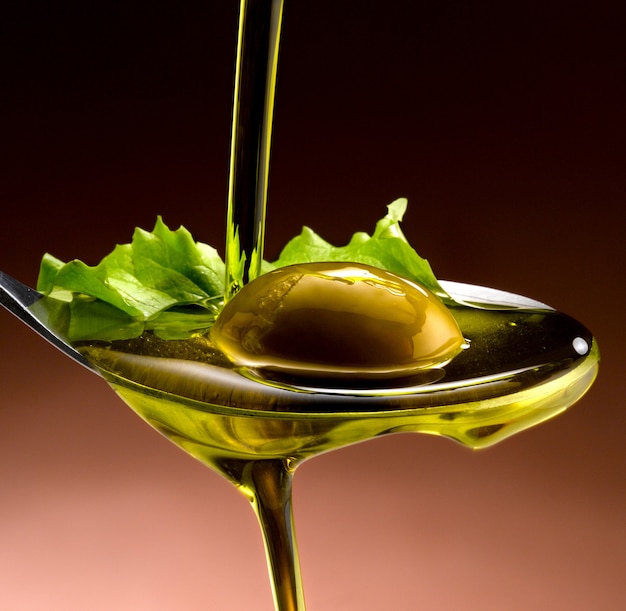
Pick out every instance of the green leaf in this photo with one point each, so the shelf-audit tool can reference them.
(387, 248)
(165, 282)
(135, 283)
(48, 270)
(97, 320)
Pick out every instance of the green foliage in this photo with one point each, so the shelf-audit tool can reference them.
(166, 282)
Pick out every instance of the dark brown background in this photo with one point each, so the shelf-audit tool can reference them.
(502, 122)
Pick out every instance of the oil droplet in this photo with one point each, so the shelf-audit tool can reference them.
(337, 319)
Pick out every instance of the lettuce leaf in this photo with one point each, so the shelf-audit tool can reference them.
(387, 248)
(132, 288)
(166, 282)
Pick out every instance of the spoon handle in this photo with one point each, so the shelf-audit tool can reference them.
(29, 306)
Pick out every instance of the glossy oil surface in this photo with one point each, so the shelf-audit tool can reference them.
(190, 393)
(337, 320)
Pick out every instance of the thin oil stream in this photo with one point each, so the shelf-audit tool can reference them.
(267, 483)
(255, 82)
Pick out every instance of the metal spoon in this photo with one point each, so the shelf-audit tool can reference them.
(31, 308)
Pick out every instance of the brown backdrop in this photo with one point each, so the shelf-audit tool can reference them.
(501, 122)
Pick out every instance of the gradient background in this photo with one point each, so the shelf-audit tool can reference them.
(502, 122)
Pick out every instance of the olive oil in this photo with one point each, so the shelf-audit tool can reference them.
(255, 83)
(332, 355)
(254, 426)
(337, 320)
(191, 393)
(255, 430)
(314, 361)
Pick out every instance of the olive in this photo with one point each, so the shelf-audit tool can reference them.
(336, 319)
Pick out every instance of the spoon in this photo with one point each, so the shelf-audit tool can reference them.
(35, 310)
(32, 309)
